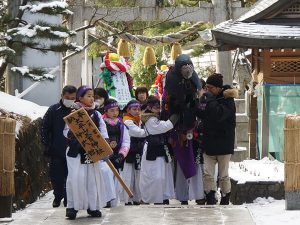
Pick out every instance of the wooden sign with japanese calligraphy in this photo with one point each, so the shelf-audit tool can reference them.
(88, 135)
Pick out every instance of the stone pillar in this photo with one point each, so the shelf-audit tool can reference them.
(74, 64)
(221, 14)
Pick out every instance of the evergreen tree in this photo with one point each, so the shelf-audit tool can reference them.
(16, 34)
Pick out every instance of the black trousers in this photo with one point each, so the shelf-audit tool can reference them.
(58, 176)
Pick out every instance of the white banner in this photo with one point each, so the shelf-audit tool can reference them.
(122, 88)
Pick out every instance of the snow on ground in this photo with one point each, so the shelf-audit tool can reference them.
(272, 212)
(257, 170)
(19, 106)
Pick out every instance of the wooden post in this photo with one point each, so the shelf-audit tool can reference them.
(292, 162)
(7, 165)
(252, 126)
(264, 152)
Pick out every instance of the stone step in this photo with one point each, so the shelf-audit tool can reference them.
(240, 154)
(240, 105)
(241, 130)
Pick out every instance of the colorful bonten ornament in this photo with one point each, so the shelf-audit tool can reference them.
(160, 79)
(116, 79)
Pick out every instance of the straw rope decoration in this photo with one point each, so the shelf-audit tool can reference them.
(146, 41)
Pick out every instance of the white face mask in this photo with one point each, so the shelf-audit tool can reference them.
(68, 103)
(187, 71)
(99, 102)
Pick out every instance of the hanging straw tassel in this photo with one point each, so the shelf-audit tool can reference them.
(149, 57)
(176, 50)
(123, 48)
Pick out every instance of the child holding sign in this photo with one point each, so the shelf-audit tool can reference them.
(85, 184)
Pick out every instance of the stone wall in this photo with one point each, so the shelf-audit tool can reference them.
(249, 191)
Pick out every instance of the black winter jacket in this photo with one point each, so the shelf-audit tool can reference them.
(219, 122)
(52, 130)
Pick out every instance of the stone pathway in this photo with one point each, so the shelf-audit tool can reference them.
(138, 215)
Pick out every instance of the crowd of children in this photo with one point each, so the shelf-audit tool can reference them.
(141, 153)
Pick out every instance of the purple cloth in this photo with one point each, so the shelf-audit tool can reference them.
(185, 157)
(81, 91)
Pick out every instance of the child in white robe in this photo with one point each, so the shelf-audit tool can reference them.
(156, 181)
(119, 140)
(85, 184)
(132, 165)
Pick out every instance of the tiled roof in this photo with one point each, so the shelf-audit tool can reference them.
(263, 8)
(257, 35)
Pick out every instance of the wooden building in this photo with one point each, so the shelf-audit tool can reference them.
(271, 28)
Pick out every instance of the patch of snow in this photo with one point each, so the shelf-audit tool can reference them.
(6, 219)
(257, 170)
(27, 31)
(22, 69)
(41, 6)
(266, 211)
(60, 34)
(19, 106)
(77, 47)
(6, 49)
(49, 76)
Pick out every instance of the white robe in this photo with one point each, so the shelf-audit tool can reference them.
(130, 175)
(189, 189)
(112, 182)
(85, 184)
(156, 181)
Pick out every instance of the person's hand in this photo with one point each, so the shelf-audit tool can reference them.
(120, 159)
(200, 92)
(174, 119)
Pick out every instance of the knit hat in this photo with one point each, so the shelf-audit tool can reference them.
(216, 79)
(81, 91)
(153, 101)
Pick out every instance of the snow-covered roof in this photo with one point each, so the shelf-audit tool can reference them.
(260, 35)
(22, 107)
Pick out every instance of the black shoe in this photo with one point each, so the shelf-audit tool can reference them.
(71, 213)
(136, 203)
(166, 202)
(94, 213)
(184, 202)
(56, 202)
(225, 199)
(211, 198)
(108, 205)
(128, 203)
(201, 201)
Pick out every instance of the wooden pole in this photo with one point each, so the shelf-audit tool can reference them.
(116, 173)
(7, 165)
(252, 126)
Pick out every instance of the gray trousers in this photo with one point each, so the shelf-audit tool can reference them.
(209, 172)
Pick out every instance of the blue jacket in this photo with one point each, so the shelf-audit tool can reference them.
(52, 130)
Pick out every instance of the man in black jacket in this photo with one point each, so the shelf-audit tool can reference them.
(217, 111)
(55, 143)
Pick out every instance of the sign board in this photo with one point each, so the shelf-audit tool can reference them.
(88, 135)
